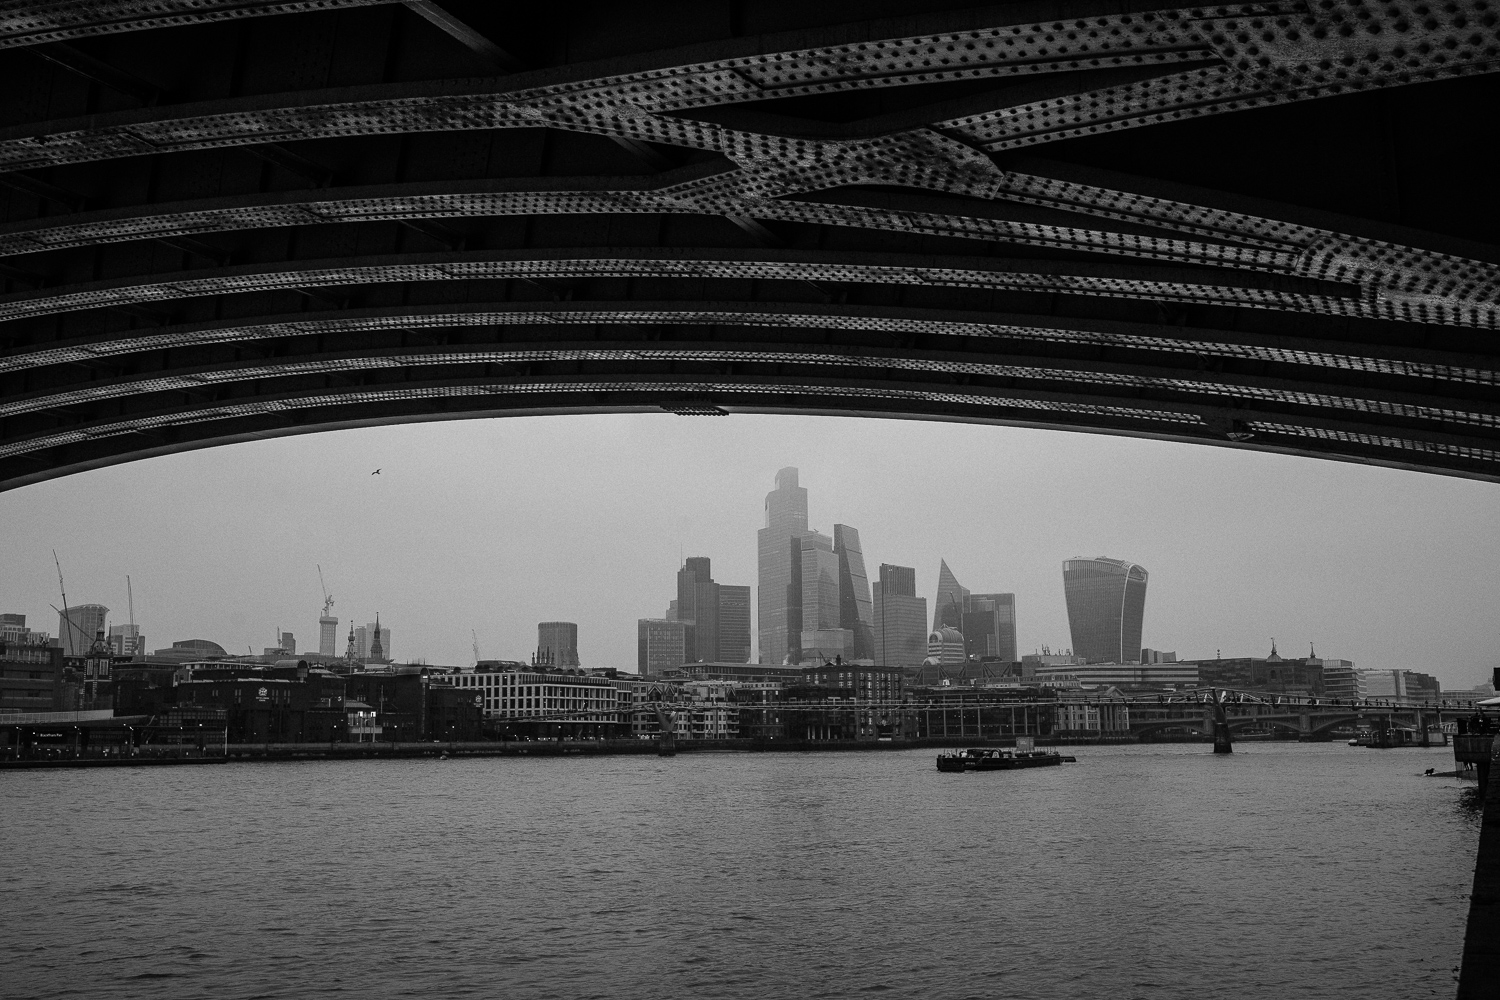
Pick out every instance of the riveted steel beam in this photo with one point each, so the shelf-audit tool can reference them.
(889, 325)
(1148, 282)
(318, 409)
(645, 106)
(1405, 409)
(27, 22)
(883, 163)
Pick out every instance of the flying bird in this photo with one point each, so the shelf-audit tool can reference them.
(376, 472)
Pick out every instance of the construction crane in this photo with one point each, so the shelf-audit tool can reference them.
(475, 635)
(66, 614)
(130, 606)
(327, 597)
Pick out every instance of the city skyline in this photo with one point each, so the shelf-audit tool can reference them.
(1292, 529)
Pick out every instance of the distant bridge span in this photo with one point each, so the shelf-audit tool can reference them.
(1309, 720)
(1267, 226)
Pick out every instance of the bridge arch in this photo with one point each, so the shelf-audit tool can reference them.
(399, 218)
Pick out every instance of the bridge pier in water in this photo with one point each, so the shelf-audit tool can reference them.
(1480, 975)
(1219, 720)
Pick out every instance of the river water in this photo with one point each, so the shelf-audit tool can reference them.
(1284, 870)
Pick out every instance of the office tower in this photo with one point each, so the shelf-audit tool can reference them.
(900, 618)
(952, 598)
(1106, 606)
(558, 643)
(734, 623)
(856, 614)
(127, 640)
(698, 605)
(363, 637)
(289, 642)
(822, 636)
(328, 628)
(661, 645)
(779, 611)
(989, 626)
(78, 625)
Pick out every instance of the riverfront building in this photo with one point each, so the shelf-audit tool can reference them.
(1159, 675)
(900, 630)
(1106, 601)
(31, 673)
(513, 691)
(779, 611)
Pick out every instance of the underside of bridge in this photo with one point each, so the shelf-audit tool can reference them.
(1266, 226)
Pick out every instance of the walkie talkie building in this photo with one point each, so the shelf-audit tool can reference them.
(1106, 606)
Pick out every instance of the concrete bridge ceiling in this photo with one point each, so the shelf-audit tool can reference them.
(1267, 226)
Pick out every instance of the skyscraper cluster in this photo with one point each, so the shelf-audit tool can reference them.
(814, 590)
(816, 602)
(987, 622)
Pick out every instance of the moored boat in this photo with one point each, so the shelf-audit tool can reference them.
(999, 759)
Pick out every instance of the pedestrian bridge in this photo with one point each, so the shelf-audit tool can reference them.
(1310, 718)
(1266, 226)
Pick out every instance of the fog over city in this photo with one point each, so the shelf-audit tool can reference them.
(492, 526)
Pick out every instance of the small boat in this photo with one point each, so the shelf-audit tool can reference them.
(999, 759)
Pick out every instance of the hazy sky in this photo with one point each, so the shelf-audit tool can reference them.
(494, 525)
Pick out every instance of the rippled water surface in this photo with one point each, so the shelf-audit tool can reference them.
(1284, 870)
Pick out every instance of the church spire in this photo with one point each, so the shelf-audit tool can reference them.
(352, 652)
(377, 651)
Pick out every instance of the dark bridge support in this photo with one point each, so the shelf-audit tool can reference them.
(1222, 743)
(1480, 976)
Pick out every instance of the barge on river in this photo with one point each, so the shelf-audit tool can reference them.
(998, 759)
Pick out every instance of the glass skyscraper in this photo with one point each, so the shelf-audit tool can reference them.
(822, 635)
(952, 598)
(698, 605)
(734, 624)
(900, 618)
(779, 610)
(855, 610)
(1106, 607)
(989, 626)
